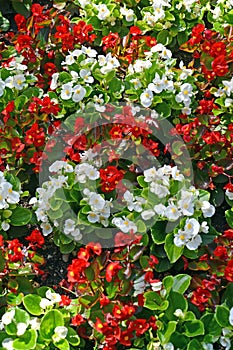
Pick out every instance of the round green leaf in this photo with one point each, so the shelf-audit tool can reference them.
(20, 216)
(27, 341)
(32, 304)
(50, 321)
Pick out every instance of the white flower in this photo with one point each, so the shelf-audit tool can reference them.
(192, 227)
(136, 83)
(85, 74)
(176, 175)
(204, 227)
(156, 286)
(68, 61)
(69, 226)
(225, 342)
(146, 98)
(103, 11)
(185, 94)
(61, 331)
(89, 51)
(157, 85)
(93, 217)
(54, 297)
(184, 71)
(158, 13)
(172, 213)
(124, 224)
(76, 234)
(5, 226)
(59, 165)
(150, 174)
(54, 84)
(181, 238)
(96, 201)
(7, 343)
(44, 303)
(8, 317)
(79, 93)
(18, 82)
(168, 346)
(128, 13)
(229, 194)
(11, 196)
(159, 209)
(92, 173)
(21, 328)
(160, 190)
(35, 323)
(2, 87)
(67, 91)
(207, 209)
(46, 228)
(147, 214)
(186, 206)
(179, 313)
(194, 242)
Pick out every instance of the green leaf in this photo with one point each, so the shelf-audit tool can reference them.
(67, 248)
(222, 316)
(176, 301)
(27, 341)
(164, 109)
(164, 37)
(72, 337)
(153, 301)
(14, 299)
(4, 23)
(211, 325)
(173, 252)
(194, 345)
(141, 181)
(181, 283)
(194, 328)
(229, 217)
(62, 344)
(95, 22)
(31, 303)
(51, 320)
(165, 335)
(158, 232)
(20, 101)
(21, 316)
(20, 216)
(22, 7)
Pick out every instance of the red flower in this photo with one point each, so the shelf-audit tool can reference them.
(111, 270)
(228, 233)
(116, 132)
(16, 145)
(35, 238)
(23, 41)
(65, 301)
(229, 271)
(217, 49)
(150, 41)
(15, 252)
(50, 69)
(200, 297)
(110, 177)
(134, 30)
(49, 107)
(110, 41)
(220, 66)
(125, 338)
(20, 22)
(77, 320)
(139, 325)
(80, 143)
(94, 247)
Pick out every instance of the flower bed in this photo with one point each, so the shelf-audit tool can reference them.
(116, 152)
